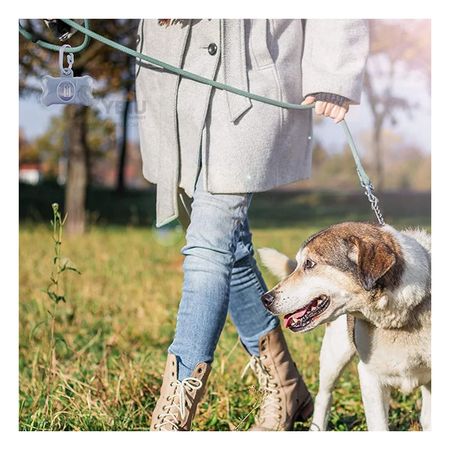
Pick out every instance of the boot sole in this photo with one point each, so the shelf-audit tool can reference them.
(304, 412)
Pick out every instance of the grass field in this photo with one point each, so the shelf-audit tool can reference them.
(112, 333)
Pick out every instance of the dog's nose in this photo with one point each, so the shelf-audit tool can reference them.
(267, 299)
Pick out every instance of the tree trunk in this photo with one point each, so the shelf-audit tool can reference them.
(120, 186)
(77, 176)
(378, 118)
(378, 151)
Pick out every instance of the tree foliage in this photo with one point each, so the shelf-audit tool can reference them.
(52, 145)
(398, 48)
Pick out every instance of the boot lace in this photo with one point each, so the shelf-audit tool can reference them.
(175, 413)
(270, 404)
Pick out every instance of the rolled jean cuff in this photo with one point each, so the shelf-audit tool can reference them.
(251, 344)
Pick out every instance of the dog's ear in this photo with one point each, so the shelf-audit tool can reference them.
(279, 264)
(372, 259)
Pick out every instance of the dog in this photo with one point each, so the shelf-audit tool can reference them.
(371, 285)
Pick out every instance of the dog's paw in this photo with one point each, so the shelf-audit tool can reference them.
(280, 265)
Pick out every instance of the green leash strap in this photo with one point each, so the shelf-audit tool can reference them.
(181, 72)
(363, 177)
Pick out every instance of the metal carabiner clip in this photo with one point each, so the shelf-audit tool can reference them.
(65, 70)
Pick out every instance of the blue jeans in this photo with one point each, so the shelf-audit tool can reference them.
(220, 275)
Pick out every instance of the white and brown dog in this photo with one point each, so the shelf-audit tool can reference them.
(373, 283)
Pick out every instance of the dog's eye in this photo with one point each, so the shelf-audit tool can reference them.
(308, 264)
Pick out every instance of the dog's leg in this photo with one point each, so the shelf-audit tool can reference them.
(375, 397)
(425, 414)
(336, 352)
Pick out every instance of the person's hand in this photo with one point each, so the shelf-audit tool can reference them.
(327, 109)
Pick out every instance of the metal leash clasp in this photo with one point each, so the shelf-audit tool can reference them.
(373, 199)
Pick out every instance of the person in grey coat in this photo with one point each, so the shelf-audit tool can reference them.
(208, 151)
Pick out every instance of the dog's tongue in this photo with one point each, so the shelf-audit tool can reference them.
(288, 318)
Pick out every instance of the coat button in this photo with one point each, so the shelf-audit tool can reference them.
(212, 49)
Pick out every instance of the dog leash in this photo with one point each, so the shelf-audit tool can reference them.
(88, 34)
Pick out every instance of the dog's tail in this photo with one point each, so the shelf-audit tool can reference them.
(280, 265)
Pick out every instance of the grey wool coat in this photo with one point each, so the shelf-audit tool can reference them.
(243, 145)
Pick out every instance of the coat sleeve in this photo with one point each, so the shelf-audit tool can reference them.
(334, 57)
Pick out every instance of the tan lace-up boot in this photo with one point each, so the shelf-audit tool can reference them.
(178, 400)
(286, 398)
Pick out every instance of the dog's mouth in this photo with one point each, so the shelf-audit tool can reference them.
(300, 319)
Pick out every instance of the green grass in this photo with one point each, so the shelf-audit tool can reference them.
(113, 332)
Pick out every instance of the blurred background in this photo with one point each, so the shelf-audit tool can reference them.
(93, 340)
(88, 158)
